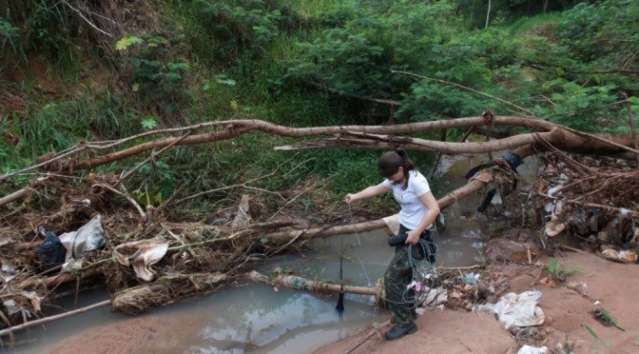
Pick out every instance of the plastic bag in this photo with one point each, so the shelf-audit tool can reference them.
(51, 252)
(141, 255)
(527, 349)
(89, 237)
(517, 310)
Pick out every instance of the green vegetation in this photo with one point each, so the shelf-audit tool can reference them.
(604, 317)
(177, 62)
(557, 271)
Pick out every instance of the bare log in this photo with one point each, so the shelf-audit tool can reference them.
(560, 138)
(471, 187)
(485, 177)
(371, 141)
(238, 127)
(315, 286)
(285, 236)
(234, 128)
(19, 194)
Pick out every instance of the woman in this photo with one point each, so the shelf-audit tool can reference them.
(419, 209)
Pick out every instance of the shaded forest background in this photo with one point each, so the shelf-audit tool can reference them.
(86, 70)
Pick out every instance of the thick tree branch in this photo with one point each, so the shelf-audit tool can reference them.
(484, 178)
(558, 137)
(239, 127)
(372, 141)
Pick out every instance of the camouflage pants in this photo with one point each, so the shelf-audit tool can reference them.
(399, 274)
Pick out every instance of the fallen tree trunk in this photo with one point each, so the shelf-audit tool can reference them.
(238, 127)
(371, 141)
(315, 286)
(561, 139)
(483, 179)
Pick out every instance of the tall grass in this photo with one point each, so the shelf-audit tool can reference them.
(529, 23)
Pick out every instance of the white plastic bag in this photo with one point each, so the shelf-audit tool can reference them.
(518, 310)
(527, 349)
(141, 255)
(89, 237)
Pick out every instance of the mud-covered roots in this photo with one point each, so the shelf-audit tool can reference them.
(165, 290)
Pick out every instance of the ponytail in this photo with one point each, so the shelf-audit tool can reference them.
(406, 162)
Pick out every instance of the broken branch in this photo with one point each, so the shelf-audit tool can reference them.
(44, 320)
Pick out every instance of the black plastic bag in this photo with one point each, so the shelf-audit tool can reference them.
(51, 252)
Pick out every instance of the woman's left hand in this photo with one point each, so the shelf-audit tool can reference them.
(412, 237)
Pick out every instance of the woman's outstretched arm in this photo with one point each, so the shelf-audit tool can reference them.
(367, 193)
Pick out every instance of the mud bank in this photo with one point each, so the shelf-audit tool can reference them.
(567, 316)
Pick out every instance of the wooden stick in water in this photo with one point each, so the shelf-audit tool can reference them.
(44, 320)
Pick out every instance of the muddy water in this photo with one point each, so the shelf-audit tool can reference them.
(259, 319)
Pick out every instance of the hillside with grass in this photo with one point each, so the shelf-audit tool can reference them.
(73, 71)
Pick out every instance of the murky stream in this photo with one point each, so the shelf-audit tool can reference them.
(258, 319)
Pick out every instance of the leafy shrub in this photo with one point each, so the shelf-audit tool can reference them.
(221, 30)
(157, 75)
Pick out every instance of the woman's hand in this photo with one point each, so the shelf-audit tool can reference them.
(349, 198)
(412, 237)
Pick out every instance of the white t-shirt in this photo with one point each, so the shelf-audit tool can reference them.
(412, 209)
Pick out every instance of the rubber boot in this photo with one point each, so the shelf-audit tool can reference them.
(400, 330)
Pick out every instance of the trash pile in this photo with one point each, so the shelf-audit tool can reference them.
(595, 200)
(69, 237)
(456, 289)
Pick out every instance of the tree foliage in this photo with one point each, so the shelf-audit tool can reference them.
(303, 62)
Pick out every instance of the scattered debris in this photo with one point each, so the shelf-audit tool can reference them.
(141, 255)
(505, 250)
(527, 349)
(580, 287)
(165, 290)
(7, 271)
(471, 278)
(519, 310)
(590, 331)
(51, 252)
(193, 257)
(434, 297)
(242, 218)
(605, 318)
(529, 335)
(554, 227)
(599, 207)
(89, 237)
(26, 304)
(621, 256)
